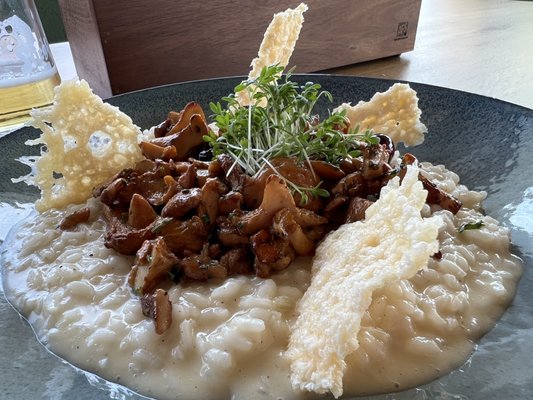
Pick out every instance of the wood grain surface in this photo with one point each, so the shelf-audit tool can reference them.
(478, 46)
(149, 43)
(81, 27)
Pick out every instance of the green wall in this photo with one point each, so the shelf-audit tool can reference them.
(51, 20)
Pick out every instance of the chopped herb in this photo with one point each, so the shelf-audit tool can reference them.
(470, 225)
(175, 274)
(208, 265)
(205, 219)
(161, 224)
(393, 172)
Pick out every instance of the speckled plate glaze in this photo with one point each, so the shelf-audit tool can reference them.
(489, 143)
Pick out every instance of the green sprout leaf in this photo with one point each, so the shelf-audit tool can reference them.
(282, 123)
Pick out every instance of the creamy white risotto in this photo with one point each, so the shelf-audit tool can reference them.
(228, 337)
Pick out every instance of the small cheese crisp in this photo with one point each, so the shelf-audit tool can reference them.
(278, 44)
(392, 243)
(86, 142)
(394, 113)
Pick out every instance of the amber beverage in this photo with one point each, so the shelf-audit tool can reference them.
(28, 73)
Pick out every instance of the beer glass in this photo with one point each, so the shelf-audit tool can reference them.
(28, 73)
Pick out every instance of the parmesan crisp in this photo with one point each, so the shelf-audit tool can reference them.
(86, 142)
(392, 243)
(278, 44)
(279, 40)
(394, 113)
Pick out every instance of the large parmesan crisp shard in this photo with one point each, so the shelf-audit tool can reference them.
(394, 242)
(86, 142)
(278, 44)
(394, 113)
(279, 40)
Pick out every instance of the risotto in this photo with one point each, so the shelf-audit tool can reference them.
(229, 336)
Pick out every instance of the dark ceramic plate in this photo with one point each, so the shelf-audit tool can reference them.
(489, 143)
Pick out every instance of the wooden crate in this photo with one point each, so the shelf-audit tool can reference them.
(119, 46)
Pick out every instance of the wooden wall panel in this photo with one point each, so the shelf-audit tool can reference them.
(149, 43)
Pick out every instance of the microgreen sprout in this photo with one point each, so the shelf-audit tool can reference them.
(280, 122)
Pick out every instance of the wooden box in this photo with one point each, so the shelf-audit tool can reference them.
(119, 46)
